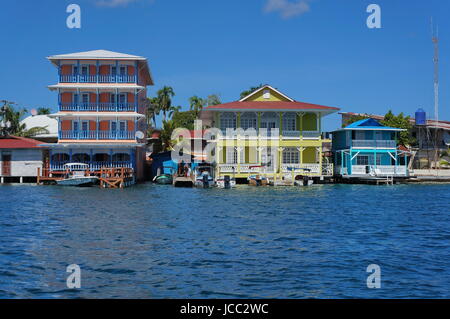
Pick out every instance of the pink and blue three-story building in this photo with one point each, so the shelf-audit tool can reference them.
(101, 110)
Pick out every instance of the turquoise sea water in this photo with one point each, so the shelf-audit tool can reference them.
(153, 241)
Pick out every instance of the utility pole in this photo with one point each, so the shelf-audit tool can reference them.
(435, 40)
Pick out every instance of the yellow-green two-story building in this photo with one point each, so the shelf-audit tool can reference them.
(268, 133)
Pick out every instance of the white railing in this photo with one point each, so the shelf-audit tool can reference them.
(359, 170)
(311, 135)
(59, 166)
(375, 143)
(313, 168)
(293, 134)
(379, 170)
(228, 168)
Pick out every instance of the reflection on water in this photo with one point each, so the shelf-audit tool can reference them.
(153, 241)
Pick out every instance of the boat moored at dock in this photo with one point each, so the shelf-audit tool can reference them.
(77, 174)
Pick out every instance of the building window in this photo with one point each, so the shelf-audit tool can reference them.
(123, 125)
(227, 120)
(75, 126)
(362, 160)
(85, 98)
(123, 70)
(379, 159)
(84, 125)
(113, 70)
(248, 120)
(291, 156)
(232, 156)
(113, 126)
(266, 94)
(85, 70)
(289, 122)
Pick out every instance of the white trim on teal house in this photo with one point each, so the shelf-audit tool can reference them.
(367, 148)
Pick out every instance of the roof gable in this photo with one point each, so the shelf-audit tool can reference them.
(261, 95)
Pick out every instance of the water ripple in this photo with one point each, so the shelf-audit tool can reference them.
(164, 242)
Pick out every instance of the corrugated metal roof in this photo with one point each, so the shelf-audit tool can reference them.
(11, 142)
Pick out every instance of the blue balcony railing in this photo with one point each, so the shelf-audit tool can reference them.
(98, 78)
(98, 107)
(96, 135)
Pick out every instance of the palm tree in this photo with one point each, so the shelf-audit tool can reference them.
(173, 109)
(166, 135)
(152, 109)
(196, 103)
(165, 99)
(10, 122)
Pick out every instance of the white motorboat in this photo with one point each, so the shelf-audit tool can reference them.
(77, 175)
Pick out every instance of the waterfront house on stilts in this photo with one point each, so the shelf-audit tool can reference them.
(271, 135)
(101, 112)
(367, 151)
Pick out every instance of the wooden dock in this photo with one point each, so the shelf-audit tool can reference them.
(109, 177)
(183, 181)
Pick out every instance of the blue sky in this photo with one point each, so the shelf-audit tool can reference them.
(317, 51)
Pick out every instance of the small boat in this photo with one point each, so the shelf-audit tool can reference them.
(204, 176)
(76, 175)
(164, 179)
(258, 180)
(226, 182)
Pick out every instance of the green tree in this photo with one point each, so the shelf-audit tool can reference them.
(400, 121)
(184, 119)
(173, 110)
(166, 135)
(251, 90)
(44, 111)
(354, 118)
(196, 104)
(213, 99)
(10, 121)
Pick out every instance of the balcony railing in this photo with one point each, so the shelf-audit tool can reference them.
(97, 135)
(314, 169)
(375, 143)
(267, 133)
(379, 170)
(98, 107)
(59, 166)
(98, 78)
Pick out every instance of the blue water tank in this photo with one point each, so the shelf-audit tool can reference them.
(421, 117)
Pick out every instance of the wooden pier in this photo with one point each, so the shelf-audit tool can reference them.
(109, 177)
(183, 181)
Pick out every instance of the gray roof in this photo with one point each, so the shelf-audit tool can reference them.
(96, 54)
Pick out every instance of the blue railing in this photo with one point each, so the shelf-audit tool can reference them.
(77, 78)
(98, 107)
(96, 135)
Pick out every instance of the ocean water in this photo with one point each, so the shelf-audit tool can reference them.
(152, 241)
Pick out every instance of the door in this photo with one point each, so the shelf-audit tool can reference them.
(6, 165)
(268, 160)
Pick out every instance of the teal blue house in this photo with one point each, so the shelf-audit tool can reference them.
(367, 148)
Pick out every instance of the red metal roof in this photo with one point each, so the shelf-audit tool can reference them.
(18, 142)
(282, 105)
